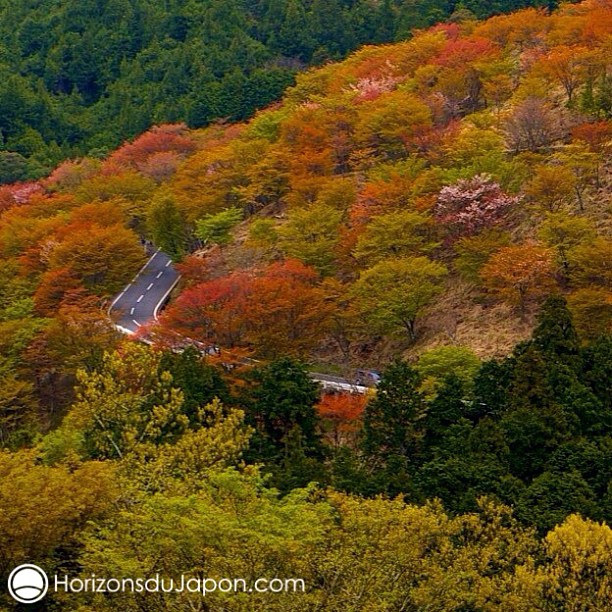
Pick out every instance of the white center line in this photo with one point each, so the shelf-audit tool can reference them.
(149, 287)
(140, 298)
(136, 322)
(159, 274)
(169, 262)
(132, 311)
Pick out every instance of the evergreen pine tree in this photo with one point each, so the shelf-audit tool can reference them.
(393, 421)
(199, 382)
(281, 409)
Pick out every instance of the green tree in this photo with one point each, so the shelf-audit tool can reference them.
(328, 23)
(125, 405)
(551, 497)
(555, 335)
(234, 524)
(564, 233)
(311, 235)
(397, 234)
(584, 165)
(199, 382)
(216, 228)
(556, 340)
(446, 409)
(438, 363)
(589, 263)
(392, 422)
(181, 466)
(13, 167)
(17, 405)
(473, 252)
(294, 36)
(263, 232)
(393, 293)
(166, 226)
(492, 387)
(281, 408)
(592, 312)
(535, 423)
(597, 367)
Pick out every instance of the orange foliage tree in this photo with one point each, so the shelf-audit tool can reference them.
(54, 285)
(70, 174)
(566, 65)
(288, 313)
(343, 412)
(520, 273)
(277, 310)
(213, 311)
(103, 258)
(596, 135)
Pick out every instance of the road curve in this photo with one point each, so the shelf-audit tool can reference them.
(140, 301)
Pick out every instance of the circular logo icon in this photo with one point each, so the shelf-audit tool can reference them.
(28, 583)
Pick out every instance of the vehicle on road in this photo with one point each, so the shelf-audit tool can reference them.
(367, 378)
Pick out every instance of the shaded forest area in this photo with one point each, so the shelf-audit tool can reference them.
(78, 77)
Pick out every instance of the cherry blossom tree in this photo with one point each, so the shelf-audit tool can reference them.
(472, 205)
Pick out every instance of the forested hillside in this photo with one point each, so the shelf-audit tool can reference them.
(80, 76)
(437, 210)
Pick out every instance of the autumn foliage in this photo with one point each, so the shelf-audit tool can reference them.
(343, 411)
(520, 273)
(374, 210)
(419, 208)
(160, 148)
(276, 310)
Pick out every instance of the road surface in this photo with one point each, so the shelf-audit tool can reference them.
(139, 303)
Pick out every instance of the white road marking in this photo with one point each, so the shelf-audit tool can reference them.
(110, 308)
(159, 274)
(132, 311)
(136, 323)
(140, 298)
(160, 303)
(169, 262)
(149, 287)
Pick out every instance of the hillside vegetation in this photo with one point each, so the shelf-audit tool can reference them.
(81, 76)
(419, 194)
(437, 209)
(429, 192)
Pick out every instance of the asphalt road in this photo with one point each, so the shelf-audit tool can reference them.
(139, 303)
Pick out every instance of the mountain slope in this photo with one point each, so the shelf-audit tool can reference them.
(79, 77)
(425, 193)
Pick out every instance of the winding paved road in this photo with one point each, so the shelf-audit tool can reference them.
(139, 303)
